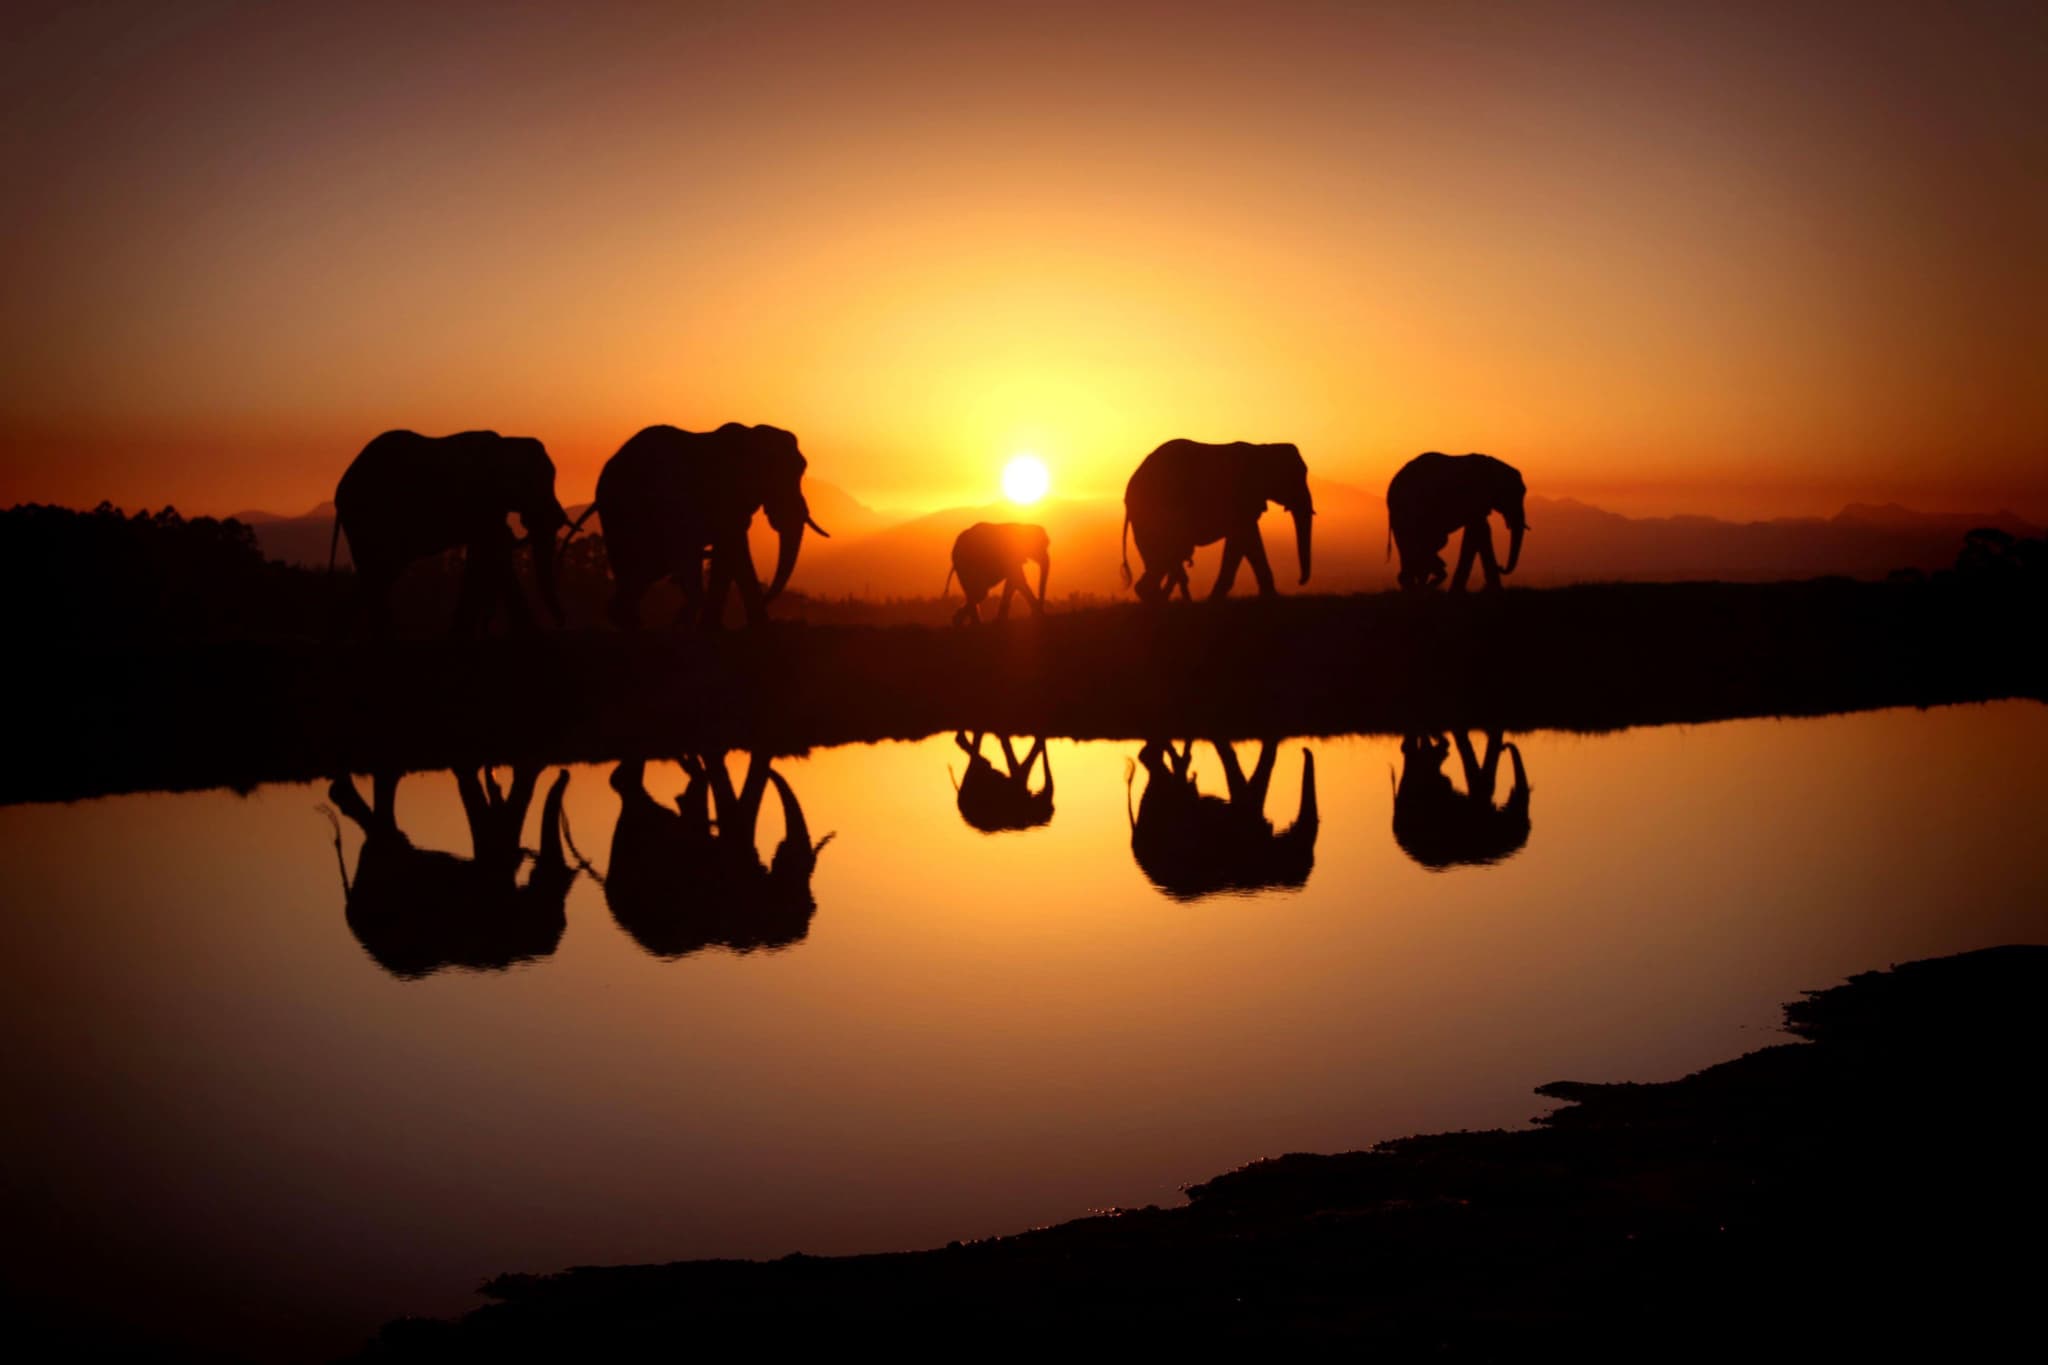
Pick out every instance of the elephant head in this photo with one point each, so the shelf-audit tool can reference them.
(528, 488)
(1506, 494)
(1283, 476)
(777, 474)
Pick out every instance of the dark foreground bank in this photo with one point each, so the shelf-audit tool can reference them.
(139, 714)
(1875, 1185)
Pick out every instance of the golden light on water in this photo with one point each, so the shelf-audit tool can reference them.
(1025, 479)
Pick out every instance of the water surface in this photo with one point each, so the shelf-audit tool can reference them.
(251, 1123)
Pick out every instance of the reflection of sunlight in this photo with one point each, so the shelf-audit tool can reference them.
(1025, 479)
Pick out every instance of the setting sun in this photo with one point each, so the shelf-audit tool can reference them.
(1025, 479)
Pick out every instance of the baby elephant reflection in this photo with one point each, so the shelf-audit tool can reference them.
(418, 910)
(681, 879)
(1441, 827)
(1191, 845)
(993, 800)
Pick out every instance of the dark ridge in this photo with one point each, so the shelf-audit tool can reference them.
(1873, 1187)
(131, 715)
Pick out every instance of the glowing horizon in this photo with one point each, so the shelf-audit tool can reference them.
(1734, 265)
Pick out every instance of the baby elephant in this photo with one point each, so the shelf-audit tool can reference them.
(992, 552)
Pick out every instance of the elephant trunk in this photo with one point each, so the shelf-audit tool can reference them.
(785, 558)
(1304, 527)
(1517, 527)
(1044, 572)
(796, 853)
(1309, 817)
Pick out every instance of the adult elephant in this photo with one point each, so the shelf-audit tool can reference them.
(1435, 494)
(992, 552)
(681, 879)
(1190, 493)
(419, 910)
(993, 799)
(1441, 827)
(671, 499)
(407, 496)
(1191, 846)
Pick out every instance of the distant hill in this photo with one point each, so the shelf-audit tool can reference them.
(871, 555)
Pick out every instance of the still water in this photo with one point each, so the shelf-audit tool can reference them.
(258, 1119)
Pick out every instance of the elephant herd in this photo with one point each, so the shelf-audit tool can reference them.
(676, 505)
(684, 873)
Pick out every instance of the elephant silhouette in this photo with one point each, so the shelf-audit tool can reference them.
(1441, 827)
(1435, 494)
(406, 496)
(417, 911)
(1188, 493)
(673, 501)
(682, 879)
(1191, 846)
(992, 552)
(993, 800)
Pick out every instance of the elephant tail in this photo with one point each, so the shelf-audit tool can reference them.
(1127, 547)
(340, 860)
(947, 586)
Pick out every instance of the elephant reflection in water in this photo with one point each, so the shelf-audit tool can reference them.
(1441, 827)
(418, 910)
(993, 800)
(1191, 845)
(686, 878)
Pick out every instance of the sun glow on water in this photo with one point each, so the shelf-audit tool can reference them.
(1025, 479)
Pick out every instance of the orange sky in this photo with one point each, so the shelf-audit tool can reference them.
(1745, 263)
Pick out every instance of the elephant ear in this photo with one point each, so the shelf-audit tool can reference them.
(781, 451)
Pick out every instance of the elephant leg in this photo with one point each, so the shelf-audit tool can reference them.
(1017, 584)
(1255, 555)
(1487, 562)
(342, 792)
(373, 598)
(969, 614)
(503, 566)
(690, 580)
(713, 616)
(1044, 761)
(486, 565)
(1475, 774)
(625, 604)
(1467, 549)
(1180, 580)
(1003, 607)
(1233, 555)
(1152, 585)
(748, 578)
(1233, 773)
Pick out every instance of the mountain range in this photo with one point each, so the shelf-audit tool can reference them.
(873, 555)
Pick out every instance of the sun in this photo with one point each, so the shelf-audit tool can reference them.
(1025, 479)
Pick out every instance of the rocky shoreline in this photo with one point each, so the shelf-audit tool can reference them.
(1874, 1185)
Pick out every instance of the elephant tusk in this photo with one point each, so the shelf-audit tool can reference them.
(812, 523)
